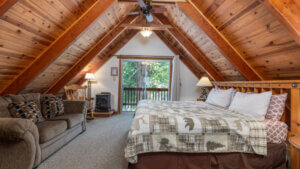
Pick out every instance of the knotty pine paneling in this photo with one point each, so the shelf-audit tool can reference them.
(28, 27)
(262, 40)
(79, 47)
(203, 43)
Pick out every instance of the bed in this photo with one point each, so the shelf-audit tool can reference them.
(199, 135)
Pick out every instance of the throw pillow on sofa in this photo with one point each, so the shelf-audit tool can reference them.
(27, 110)
(52, 106)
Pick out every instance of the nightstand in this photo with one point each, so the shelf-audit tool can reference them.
(201, 99)
(295, 151)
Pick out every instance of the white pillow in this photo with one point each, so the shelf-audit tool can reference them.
(251, 104)
(220, 97)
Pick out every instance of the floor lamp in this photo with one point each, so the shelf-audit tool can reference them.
(90, 77)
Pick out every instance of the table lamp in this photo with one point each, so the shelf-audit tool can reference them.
(204, 82)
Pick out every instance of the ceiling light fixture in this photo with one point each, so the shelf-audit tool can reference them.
(146, 32)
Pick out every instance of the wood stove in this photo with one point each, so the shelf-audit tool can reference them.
(103, 102)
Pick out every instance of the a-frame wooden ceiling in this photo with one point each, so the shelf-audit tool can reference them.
(47, 44)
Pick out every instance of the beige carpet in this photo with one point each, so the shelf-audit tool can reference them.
(100, 147)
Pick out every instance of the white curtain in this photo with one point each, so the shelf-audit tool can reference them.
(176, 82)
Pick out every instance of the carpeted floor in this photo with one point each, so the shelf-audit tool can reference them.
(100, 147)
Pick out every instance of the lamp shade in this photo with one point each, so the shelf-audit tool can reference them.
(204, 82)
(89, 76)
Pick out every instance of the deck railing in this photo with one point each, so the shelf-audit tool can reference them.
(131, 96)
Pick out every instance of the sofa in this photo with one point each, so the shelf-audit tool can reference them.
(24, 145)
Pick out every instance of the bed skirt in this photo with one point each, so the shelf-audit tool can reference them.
(276, 159)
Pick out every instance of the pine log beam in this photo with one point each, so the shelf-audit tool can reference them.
(98, 47)
(191, 48)
(57, 47)
(119, 45)
(287, 12)
(192, 10)
(190, 65)
(6, 5)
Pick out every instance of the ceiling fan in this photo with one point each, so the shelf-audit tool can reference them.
(146, 9)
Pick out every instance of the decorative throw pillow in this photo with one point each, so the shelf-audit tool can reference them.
(251, 104)
(276, 131)
(52, 106)
(220, 97)
(26, 110)
(276, 107)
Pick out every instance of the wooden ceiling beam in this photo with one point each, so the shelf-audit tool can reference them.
(58, 46)
(192, 10)
(191, 66)
(191, 48)
(119, 45)
(151, 26)
(98, 47)
(6, 5)
(156, 2)
(287, 12)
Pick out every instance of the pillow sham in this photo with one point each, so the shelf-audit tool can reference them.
(251, 104)
(27, 110)
(52, 106)
(220, 97)
(276, 107)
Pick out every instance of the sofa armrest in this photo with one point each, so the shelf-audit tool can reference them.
(15, 129)
(22, 136)
(74, 106)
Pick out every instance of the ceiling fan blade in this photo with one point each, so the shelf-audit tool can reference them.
(134, 13)
(149, 18)
(142, 4)
(158, 10)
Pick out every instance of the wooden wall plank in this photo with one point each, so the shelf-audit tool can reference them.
(192, 49)
(288, 13)
(100, 45)
(51, 52)
(192, 10)
(5, 5)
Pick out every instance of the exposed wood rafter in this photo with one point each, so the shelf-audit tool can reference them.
(185, 61)
(58, 46)
(5, 5)
(192, 10)
(288, 13)
(192, 49)
(98, 47)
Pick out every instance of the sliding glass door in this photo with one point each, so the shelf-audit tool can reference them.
(144, 80)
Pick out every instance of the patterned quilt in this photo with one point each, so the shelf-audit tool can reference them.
(192, 127)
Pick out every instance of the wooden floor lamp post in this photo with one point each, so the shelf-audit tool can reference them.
(90, 77)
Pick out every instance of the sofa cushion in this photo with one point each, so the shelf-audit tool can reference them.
(50, 129)
(71, 119)
(52, 106)
(4, 102)
(26, 97)
(27, 110)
